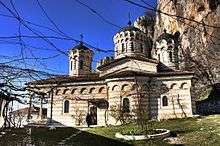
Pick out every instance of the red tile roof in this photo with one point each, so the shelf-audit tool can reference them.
(67, 79)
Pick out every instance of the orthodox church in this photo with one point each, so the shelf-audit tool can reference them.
(141, 79)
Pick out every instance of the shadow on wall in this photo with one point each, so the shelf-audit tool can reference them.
(210, 105)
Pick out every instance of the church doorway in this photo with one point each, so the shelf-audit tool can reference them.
(93, 114)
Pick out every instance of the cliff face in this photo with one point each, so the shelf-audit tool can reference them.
(202, 11)
(200, 41)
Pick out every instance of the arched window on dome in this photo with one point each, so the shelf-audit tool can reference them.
(71, 65)
(81, 62)
(159, 57)
(171, 56)
(126, 105)
(122, 47)
(142, 48)
(132, 46)
(66, 106)
(74, 62)
(164, 101)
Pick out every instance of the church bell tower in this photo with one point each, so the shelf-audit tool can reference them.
(80, 60)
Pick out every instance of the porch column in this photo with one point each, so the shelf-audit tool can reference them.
(41, 108)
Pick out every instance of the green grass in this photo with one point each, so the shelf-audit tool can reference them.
(39, 136)
(192, 131)
(203, 131)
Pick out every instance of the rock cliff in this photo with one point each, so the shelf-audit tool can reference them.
(198, 22)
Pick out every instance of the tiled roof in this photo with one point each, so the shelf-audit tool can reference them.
(67, 79)
(148, 74)
(129, 57)
(25, 110)
(81, 47)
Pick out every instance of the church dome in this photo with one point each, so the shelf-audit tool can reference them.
(130, 41)
(80, 47)
(129, 28)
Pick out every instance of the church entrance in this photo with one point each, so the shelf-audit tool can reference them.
(93, 114)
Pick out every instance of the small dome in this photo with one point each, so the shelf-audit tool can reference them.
(129, 28)
(130, 41)
(166, 36)
(81, 47)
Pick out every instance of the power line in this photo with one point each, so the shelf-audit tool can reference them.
(98, 14)
(170, 15)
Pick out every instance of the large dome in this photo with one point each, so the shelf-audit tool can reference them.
(130, 41)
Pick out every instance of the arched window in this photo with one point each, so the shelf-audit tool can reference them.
(126, 105)
(164, 101)
(122, 47)
(159, 57)
(142, 48)
(171, 56)
(71, 65)
(132, 46)
(81, 62)
(74, 62)
(66, 106)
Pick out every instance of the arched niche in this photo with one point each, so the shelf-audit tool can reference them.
(115, 88)
(125, 87)
(92, 90)
(65, 91)
(101, 90)
(183, 86)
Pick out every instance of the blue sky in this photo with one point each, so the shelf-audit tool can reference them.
(73, 19)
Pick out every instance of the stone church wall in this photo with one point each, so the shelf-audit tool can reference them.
(78, 97)
(179, 99)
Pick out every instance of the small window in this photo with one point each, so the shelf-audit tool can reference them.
(81, 62)
(66, 106)
(142, 48)
(71, 65)
(164, 101)
(122, 47)
(126, 105)
(132, 46)
(171, 56)
(74, 62)
(159, 57)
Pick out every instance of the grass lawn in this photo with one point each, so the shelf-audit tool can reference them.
(191, 131)
(39, 136)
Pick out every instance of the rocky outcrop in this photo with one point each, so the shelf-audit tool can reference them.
(198, 22)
